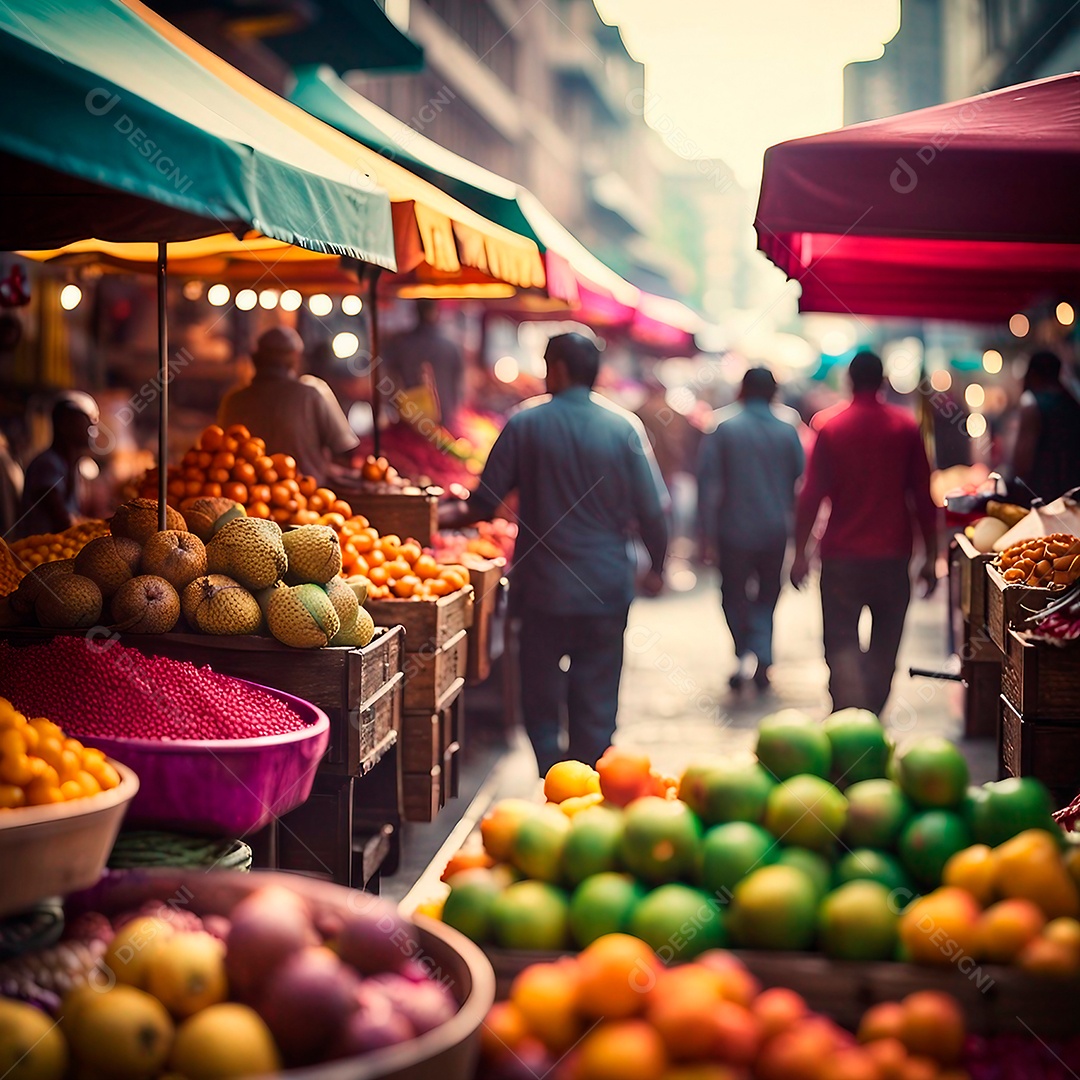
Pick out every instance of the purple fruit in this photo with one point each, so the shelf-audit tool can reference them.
(371, 1029)
(375, 938)
(267, 927)
(306, 1002)
(425, 1005)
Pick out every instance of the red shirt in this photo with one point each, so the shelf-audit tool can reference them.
(869, 462)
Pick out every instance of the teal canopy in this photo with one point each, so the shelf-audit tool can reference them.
(320, 92)
(113, 132)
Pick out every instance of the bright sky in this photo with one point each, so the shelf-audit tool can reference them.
(737, 76)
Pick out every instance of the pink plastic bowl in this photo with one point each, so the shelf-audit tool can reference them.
(225, 787)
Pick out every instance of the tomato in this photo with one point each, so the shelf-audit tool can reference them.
(236, 492)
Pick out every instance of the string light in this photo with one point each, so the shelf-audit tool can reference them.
(218, 295)
(1019, 325)
(352, 304)
(290, 300)
(246, 299)
(268, 299)
(320, 304)
(345, 345)
(70, 297)
(992, 361)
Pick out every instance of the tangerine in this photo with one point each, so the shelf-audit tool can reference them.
(882, 1021)
(1007, 926)
(546, 996)
(569, 780)
(623, 1050)
(778, 1009)
(614, 973)
(933, 1026)
(624, 775)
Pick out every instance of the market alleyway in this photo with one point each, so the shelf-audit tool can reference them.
(676, 705)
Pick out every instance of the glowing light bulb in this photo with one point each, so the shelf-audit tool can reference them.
(351, 304)
(976, 425)
(320, 304)
(1065, 314)
(992, 361)
(246, 299)
(268, 299)
(975, 396)
(218, 295)
(290, 300)
(506, 369)
(70, 297)
(345, 345)
(940, 380)
(1019, 325)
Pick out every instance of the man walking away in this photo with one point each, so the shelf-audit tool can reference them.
(747, 473)
(587, 485)
(870, 464)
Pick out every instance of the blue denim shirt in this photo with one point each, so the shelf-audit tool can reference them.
(587, 484)
(747, 473)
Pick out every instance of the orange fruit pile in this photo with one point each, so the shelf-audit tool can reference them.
(39, 764)
(32, 551)
(393, 568)
(233, 464)
(616, 1013)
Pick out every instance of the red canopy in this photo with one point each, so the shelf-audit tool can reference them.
(967, 210)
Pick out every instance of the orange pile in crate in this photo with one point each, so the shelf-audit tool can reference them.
(233, 464)
(394, 568)
(23, 555)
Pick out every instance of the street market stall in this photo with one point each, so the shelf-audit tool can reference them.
(960, 211)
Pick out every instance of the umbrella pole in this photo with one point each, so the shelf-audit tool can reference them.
(373, 323)
(163, 379)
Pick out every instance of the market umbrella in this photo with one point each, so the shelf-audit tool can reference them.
(965, 210)
(113, 132)
(575, 277)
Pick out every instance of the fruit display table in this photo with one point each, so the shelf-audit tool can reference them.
(348, 828)
(980, 657)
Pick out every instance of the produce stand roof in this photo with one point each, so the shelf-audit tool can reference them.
(322, 93)
(966, 210)
(114, 131)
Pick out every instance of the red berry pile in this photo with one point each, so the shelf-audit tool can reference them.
(106, 689)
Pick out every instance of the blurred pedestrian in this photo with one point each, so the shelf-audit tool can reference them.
(51, 500)
(869, 462)
(425, 356)
(295, 414)
(1046, 459)
(587, 484)
(747, 473)
(11, 487)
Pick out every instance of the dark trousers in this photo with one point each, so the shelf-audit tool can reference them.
(749, 587)
(580, 703)
(860, 679)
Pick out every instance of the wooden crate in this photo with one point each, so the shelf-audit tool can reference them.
(971, 565)
(430, 674)
(1049, 750)
(1042, 680)
(345, 683)
(426, 733)
(421, 741)
(421, 793)
(427, 623)
(486, 578)
(415, 516)
(1010, 605)
(452, 740)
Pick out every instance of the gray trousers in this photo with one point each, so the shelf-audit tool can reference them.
(570, 714)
